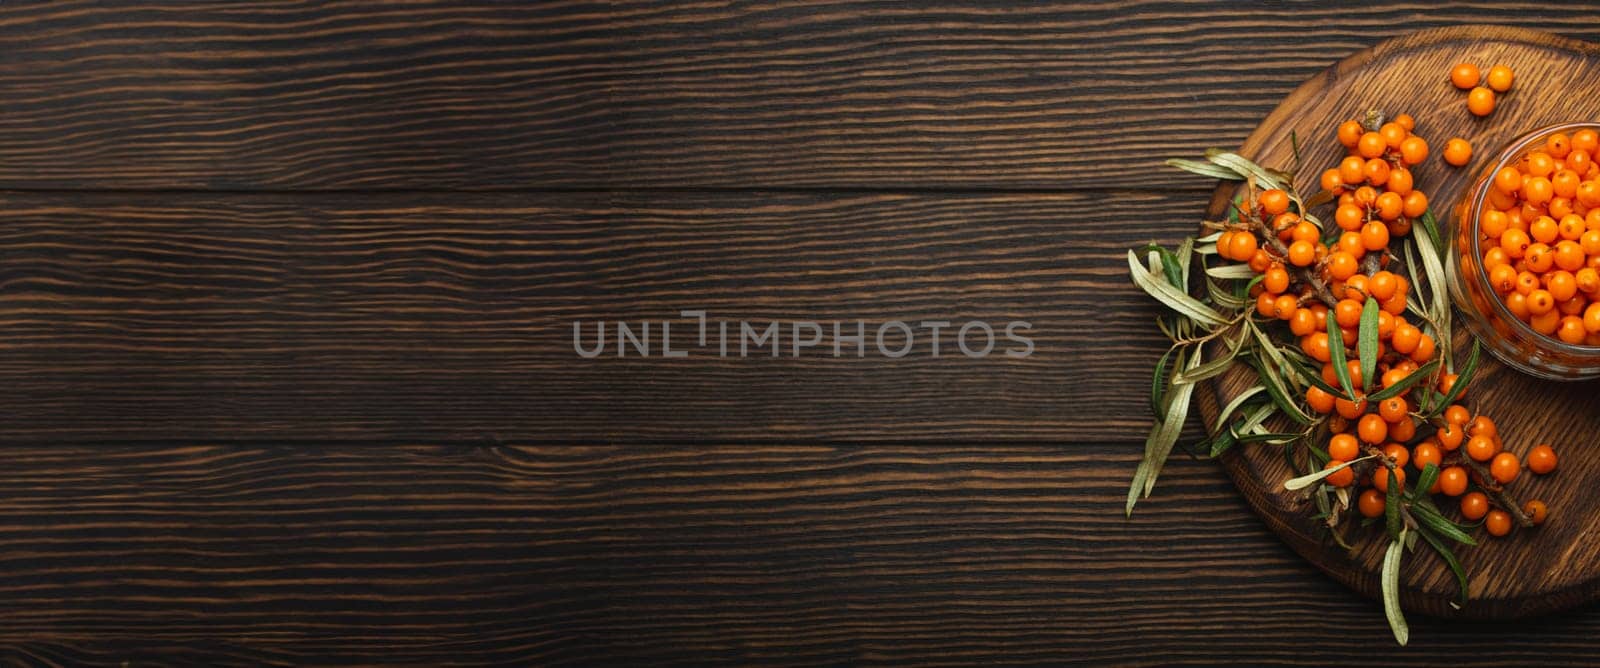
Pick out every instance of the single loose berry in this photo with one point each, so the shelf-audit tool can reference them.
(1480, 101)
(1505, 468)
(1457, 152)
(1464, 76)
(1542, 459)
(1453, 481)
(1371, 503)
(1536, 511)
(1498, 523)
(1499, 78)
(1474, 506)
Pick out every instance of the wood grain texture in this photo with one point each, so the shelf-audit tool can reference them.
(803, 555)
(1538, 571)
(621, 94)
(142, 317)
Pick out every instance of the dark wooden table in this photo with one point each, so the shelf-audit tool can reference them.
(286, 295)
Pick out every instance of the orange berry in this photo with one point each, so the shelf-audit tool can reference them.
(1242, 246)
(1482, 448)
(1539, 163)
(1343, 447)
(1331, 180)
(1536, 511)
(1557, 145)
(1371, 145)
(1393, 409)
(1389, 205)
(1393, 133)
(1453, 481)
(1316, 346)
(1464, 76)
(1499, 78)
(1342, 265)
(1380, 478)
(1542, 459)
(1586, 140)
(1450, 436)
(1507, 180)
(1474, 506)
(1570, 330)
(1304, 231)
(1425, 349)
(1426, 453)
(1302, 253)
(1371, 503)
(1340, 478)
(1397, 453)
(1350, 133)
(1374, 236)
(1413, 150)
(1537, 190)
(1482, 425)
(1498, 523)
(1303, 323)
(1353, 170)
(1273, 202)
(1416, 204)
(1480, 101)
(1406, 121)
(1457, 152)
(1569, 256)
(1351, 410)
(1372, 428)
(1400, 182)
(1504, 468)
(1406, 338)
(1275, 280)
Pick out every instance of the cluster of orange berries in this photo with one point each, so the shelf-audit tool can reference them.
(1480, 89)
(1540, 234)
(1377, 194)
(1461, 434)
(1377, 203)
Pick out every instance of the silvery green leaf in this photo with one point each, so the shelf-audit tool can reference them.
(1232, 271)
(1367, 343)
(1404, 384)
(1391, 590)
(1162, 437)
(1449, 558)
(1211, 368)
(1174, 298)
(1235, 404)
(1336, 358)
(1307, 480)
(1204, 169)
(1280, 394)
(1245, 168)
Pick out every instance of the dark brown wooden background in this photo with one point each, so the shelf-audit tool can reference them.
(286, 292)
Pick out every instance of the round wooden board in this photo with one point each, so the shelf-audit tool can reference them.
(1557, 80)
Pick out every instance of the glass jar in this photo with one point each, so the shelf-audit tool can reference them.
(1511, 339)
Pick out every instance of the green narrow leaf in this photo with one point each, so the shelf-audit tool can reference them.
(1429, 516)
(1336, 357)
(1463, 379)
(1274, 355)
(1367, 343)
(1167, 263)
(1307, 480)
(1280, 394)
(1391, 505)
(1212, 367)
(1231, 272)
(1391, 590)
(1174, 298)
(1449, 558)
(1158, 384)
(1205, 169)
(1404, 384)
(1272, 437)
(1235, 404)
(1222, 442)
(1162, 437)
(1244, 168)
(1424, 482)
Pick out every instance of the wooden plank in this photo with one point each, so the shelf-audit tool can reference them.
(143, 317)
(586, 555)
(597, 95)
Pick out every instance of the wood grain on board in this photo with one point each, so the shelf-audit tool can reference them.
(1535, 571)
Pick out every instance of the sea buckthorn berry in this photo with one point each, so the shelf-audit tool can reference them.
(1536, 511)
(1526, 283)
(1397, 453)
(1474, 505)
(1571, 227)
(1393, 376)
(1426, 453)
(1539, 258)
(1365, 195)
(1539, 163)
(1393, 409)
(1374, 236)
(1371, 503)
(1517, 304)
(1372, 428)
(1561, 284)
(1569, 255)
(1267, 305)
(1285, 306)
(1393, 133)
(1457, 152)
(1450, 436)
(1447, 382)
(1413, 150)
(1403, 431)
(1390, 205)
(1464, 76)
(1544, 230)
(1425, 349)
(1507, 180)
(1316, 347)
(1302, 253)
(1536, 190)
(1303, 323)
(1482, 448)
(1588, 280)
(1483, 425)
(1275, 280)
(1380, 478)
(1406, 121)
(1304, 231)
(1331, 180)
(1382, 284)
(1347, 312)
(1514, 242)
(1273, 202)
(1350, 133)
(1498, 523)
(1571, 330)
(1453, 481)
(1343, 447)
(1480, 101)
(1504, 468)
(1542, 459)
(1406, 338)
(1546, 323)
(1564, 183)
(1400, 182)
(1349, 217)
(1492, 223)
(1261, 261)
(1351, 410)
(1377, 171)
(1340, 478)
(1457, 415)
(1242, 246)
(1503, 279)
(1579, 161)
(1557, 145)
(1353, 169)
(1342, 265)
(1540, 302)
(1355, 287)
(1371, 145)
(1572, 307)
(1499, 78)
